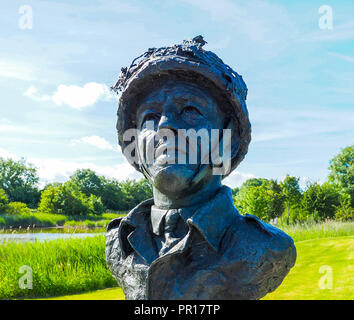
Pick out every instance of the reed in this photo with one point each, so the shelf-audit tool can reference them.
(58, 267)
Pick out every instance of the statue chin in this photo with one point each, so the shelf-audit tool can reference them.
(174, 180)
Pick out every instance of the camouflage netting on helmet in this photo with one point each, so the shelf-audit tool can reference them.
(190, 62)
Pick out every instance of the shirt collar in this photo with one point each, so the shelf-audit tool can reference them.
(212, 218)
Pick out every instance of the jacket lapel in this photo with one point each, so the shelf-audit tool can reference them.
(135, 233)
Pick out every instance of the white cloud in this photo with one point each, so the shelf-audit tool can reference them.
(32, 92)
(8, 127)
(6, 154)
(342, 32)
(81, 97)
(260, 21)
(291, 123)
(74, 96)
(32, 69)
(16, 70)
(236, 179)
(53, 170)
(342, 57)
(95, 141)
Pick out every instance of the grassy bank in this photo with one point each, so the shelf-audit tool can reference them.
(324, 270)
(59, 267)
(306, 231)
(46, 220)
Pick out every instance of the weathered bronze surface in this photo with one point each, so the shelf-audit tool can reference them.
(189, 241)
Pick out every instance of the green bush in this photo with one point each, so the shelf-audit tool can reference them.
(20, 181)
(320, 201)
(68, 200)
(3, 201)
(262, 198)
(295, 215)
(17, 208)
(36, 219)
(345, 212)
(95, 205)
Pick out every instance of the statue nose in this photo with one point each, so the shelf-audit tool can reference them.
(168, 121)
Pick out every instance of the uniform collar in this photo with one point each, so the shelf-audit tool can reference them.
(212, 218)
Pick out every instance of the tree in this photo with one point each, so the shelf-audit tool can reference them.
(292, 193)
(87, 181)
(95, 205)
(112, 195)
(345, 212)
(342, 172)
(69, 200)
(254, 182)
(63, 199)
(17, 208)
(320, 201)
(135, 192)
(264, 200)
(20, 181)
(235, 191)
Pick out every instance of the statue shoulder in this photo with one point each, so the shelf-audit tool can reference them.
(257, 223)
(272, 232)
(265, 253)
(254, 234)
(114, 223)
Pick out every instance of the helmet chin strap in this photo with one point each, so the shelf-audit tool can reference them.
(142, 166)
(197, 178)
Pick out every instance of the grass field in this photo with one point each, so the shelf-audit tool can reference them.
(58, 267)
(306, 231)
(324, 270)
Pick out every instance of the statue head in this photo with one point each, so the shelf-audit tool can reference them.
(179, 110)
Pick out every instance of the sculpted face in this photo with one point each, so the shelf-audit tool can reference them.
(170, 107)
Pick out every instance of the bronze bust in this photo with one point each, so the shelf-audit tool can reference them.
(189, 241)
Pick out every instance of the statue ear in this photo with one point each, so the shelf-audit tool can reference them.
(235, 137)
(225, 149)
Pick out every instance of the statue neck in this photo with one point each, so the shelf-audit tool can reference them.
(187, 199)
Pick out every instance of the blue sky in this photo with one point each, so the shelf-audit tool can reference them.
(57, 111)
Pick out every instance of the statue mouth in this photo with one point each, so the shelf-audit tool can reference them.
(176, 152)
(169, 153)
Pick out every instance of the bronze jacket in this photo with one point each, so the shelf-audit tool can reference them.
(224, 255)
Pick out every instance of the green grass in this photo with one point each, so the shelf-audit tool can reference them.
(59, 267)
(105, 294)
(304, 281)
(306, 231)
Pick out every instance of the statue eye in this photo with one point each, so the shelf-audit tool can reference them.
(190, 110)
(151, 117)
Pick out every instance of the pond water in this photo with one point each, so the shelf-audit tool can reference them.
(44, 234)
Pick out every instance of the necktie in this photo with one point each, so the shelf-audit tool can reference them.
(171, 220)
